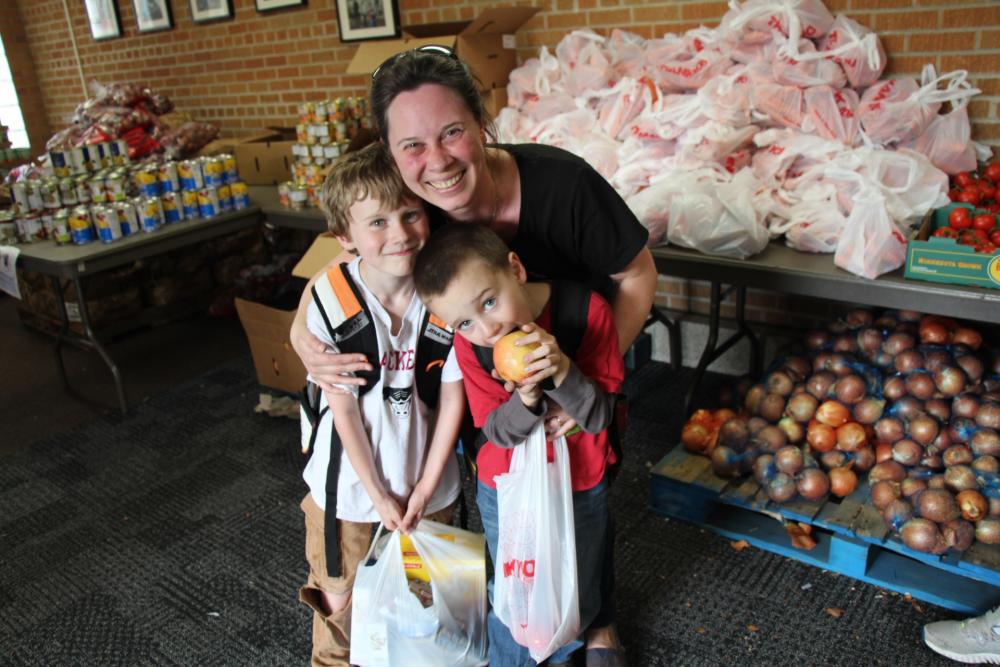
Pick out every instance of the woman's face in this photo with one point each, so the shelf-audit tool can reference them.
(438, 146)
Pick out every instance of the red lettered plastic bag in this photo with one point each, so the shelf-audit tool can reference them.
(832, 114)
(856, 49)
(535, 590)
(947, 142)
(871, 243)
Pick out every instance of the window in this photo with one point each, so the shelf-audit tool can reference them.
(10, 109)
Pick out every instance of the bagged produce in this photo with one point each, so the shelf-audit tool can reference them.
(856, 49)
(442, 623)
(871, 243)
(535, 591)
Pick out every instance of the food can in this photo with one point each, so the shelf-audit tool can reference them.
(114, 186)
(147, 180)
(225, 198)
(230, 172)
(60, 163)
(8, 228)
(298, 197)
(189, 204)
(284, 189)
(81, 226)
(77, 161)
(302, 133)
(98, 194)
(318, 150)
(119, 153)
(321, 112)
(213, 169)
(67, 191)
(189, 172)
(171, 207)
(313, 174)
(331, 151)
(88, 160)
(306, 112)
(107, 160)
(241, 195)
(48, 224)
(20, 192)
(150, 213)
(35, 202)
(127, 218)
(60, 226)
(83, 190)
(109, 229)
(169, 181)
(49, 191)
(29, 228)
(208, 202)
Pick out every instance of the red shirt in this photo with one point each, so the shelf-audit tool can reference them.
(598, 358)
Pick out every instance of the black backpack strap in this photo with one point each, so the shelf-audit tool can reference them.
(433, 347)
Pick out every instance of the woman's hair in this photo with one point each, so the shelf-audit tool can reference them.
(367, 172)
(411, 69)
(449, 249)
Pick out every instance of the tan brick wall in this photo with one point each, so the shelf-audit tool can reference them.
(253, 71)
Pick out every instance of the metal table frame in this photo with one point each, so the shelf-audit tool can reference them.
(781, 269)
(72, 262)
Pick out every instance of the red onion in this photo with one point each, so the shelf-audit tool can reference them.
(734, 433)
(781, 488)
(938, 408)
(817, 340)
(812, 484)
(923, 535)
(960, 478)
(920, 384)
(894, 388)
(986, 463)
(833, 459)
(843, 481)
(763, 468)
(801, 407)
(957, 455)
(922, 428)
(967, 337)
(933, 331)
(908, 360)
(819, 384)
(989, 415)
(899, 342)
(770, 438)
(958, 534)
(780, 383)
(907, 452)
(950, 380)
(935, 358)
(725, 462)
(911, 486)
(907, 407)
(935, 482)
(961, 429)
(845, 342)
(798, 367)
(941, 442)
(850, 389)
(851, 436)
(869, 410)
(821, 437)
(988, 530)
(864, 459)
(869, 340)
(884, 492)
(985, 441)
(995, 507)
(937, 505)
(832, 413)
(972, 504)
(771, 407)
(965, 405)
(932, 461)
(754, 397)
(859, 317)
(838, 365)
(889, 429)
(883, 452)
(755, 424)
(794, 430)
(889, 470)
(789, 459)
(972, 366)
(886, 322)
(897, 512)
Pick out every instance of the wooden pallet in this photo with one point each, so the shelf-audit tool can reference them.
(851, 536)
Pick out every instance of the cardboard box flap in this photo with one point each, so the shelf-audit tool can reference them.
(275, 361)
(500, 20)
(435, 29)
(372, 54)
(265, 322)
(319, 254)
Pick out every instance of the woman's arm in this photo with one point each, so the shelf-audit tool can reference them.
(325, 369)
(636, 287)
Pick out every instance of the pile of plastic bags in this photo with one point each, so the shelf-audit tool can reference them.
(136, 114)
(776, 123)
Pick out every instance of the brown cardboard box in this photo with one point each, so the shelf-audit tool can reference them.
(267, 328)
(494, 100)
(265, 159)
(486, 44)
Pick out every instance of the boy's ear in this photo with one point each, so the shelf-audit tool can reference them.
(345, 242)
(517, 268)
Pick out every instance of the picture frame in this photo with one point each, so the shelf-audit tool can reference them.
(271, 5)
(105, 22)
(206, 11)
(359, 20)
(153, 15)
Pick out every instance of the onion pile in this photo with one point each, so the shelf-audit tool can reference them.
(912, 400)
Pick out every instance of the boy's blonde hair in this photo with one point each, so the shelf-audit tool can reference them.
(366, 173)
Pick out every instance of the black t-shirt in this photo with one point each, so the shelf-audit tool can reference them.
(573, 225)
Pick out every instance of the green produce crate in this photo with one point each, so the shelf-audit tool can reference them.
(944, 260)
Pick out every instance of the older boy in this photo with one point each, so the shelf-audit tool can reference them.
(473, 282)
(383, 451)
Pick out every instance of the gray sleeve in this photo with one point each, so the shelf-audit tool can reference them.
(584, 400)
(510, 424)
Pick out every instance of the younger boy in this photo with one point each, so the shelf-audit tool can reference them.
(379, 452)
(470, 279)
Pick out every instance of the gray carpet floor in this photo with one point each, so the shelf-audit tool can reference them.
(173, 537)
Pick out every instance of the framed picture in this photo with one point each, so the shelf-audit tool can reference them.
(104, 20)
(153, 15)
(268, 5)
(367, 19)
(203, 11)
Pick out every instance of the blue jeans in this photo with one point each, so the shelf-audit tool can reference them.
(595, 572)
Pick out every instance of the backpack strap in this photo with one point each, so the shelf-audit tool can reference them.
(433, 347)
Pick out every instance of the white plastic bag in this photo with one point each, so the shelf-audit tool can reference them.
(389, 626)
(871, 243)
(947, 142)
(536, 591)
(856, 49)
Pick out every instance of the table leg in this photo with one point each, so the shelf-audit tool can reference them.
(713, 351)
(673, 331)
(63, 330)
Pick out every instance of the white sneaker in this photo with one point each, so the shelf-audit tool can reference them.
(974, 640)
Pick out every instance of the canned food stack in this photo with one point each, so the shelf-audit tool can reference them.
(117, 200)
(323, 133)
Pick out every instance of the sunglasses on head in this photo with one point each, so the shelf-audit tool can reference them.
(435, 49)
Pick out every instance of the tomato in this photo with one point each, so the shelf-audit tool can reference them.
(969, 196)
(954, 193)
(994, 237)
(992, 172)
(960, 218)
(984, 222)
(987, 191)
(994, 208)
(947, 232)
(986, 248)
(979, 234)
(964, 179)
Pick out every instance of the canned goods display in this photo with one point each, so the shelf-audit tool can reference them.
(83, 190)
(8, 228)
(119, 152)
(298, 197)
(60, 226)
(81, 226)
(225, 198)
(284, 190)
(60, 163)
(241, 195)
(147, 180)
(106, 223)
(208, 202)
(77, 161)
(169, 180)
(98, 194)
(67, 192)
(189, 172)
(29, 228)
(150, 214)
(171, 207)
(19, 191)
(35, 202)
(213, 169)
(229, 171)
(48, 223)
(127, 218)
(49, 192)
(189, 204)
(114, 187)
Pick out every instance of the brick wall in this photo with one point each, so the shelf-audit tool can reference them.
(26, 83)
(253, 71)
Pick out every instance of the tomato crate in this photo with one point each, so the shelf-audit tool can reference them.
(851, 536)
(944, 260)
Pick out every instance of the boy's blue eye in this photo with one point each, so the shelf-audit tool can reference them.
(490, 303)
(464, 324)
(412, 216)
(377, 223)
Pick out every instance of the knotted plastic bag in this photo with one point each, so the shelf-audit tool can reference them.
(871, 243)
(535, 583)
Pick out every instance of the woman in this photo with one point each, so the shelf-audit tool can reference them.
(555, 211)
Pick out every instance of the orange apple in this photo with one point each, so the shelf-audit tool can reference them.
(509, 359)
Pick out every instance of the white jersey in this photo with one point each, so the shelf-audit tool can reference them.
(398, 425)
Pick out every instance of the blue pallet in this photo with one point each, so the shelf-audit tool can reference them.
(851, 537)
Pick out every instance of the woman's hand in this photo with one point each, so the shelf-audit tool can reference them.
(325, 368)
(557, 421)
